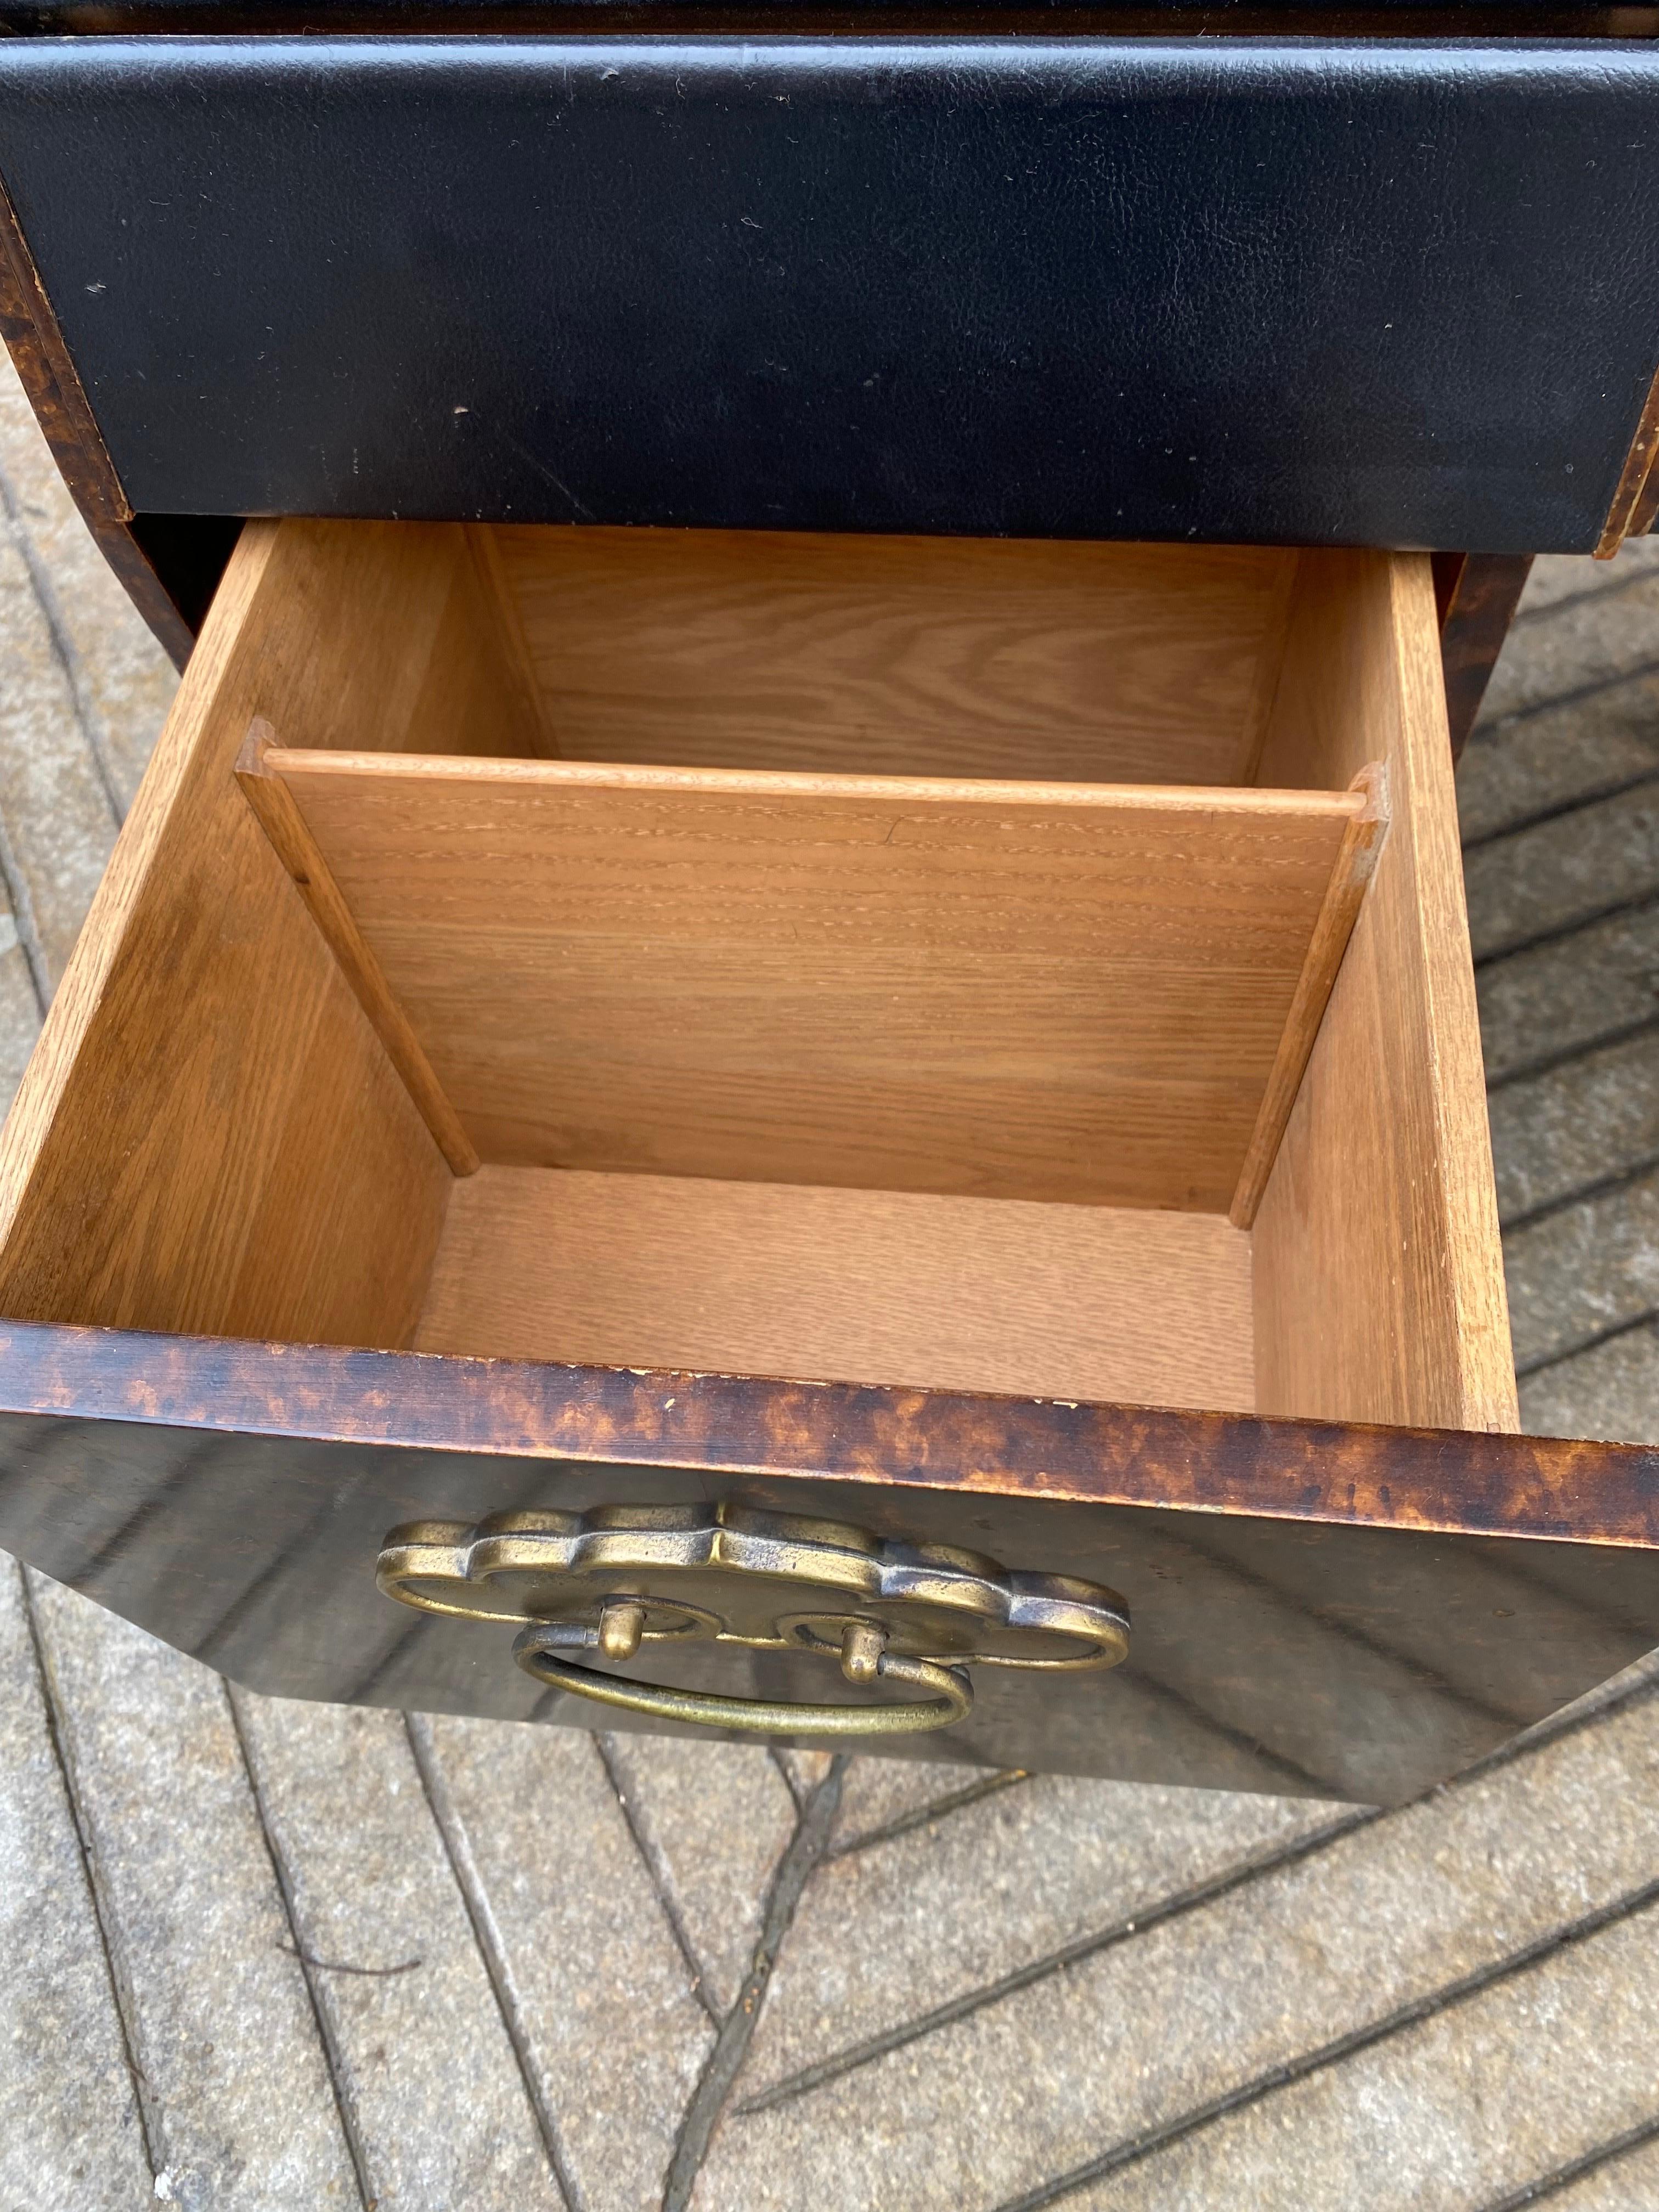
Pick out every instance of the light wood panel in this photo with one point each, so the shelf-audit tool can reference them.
(867, 1287)
(209, 1136)
(1010, 990)
(930, 656)
(1362, 840)
(529, 722)
(1379, 1280)
(281, 820)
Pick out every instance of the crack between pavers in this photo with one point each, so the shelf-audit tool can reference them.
(1590, 2161)
(1535, 617)
(1559, 934)
(1620, 788)
(22, 915)
(657, 1874)
(333, 2062)
(122, 1999)
(1527, 1071)
(1575, 696)
(936, 1808)
(457, 1850)
(1588, 1194)
(798, 1791)
(802, 1854)
(1609, 1335)
(1174, 1907)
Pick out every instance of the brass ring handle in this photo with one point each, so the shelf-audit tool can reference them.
(606, 1583)
(863, 1660)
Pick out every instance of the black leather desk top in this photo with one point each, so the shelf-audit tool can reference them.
(1394, 293)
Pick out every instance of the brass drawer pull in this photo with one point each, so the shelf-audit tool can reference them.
(951, 1693)
(625, 1580)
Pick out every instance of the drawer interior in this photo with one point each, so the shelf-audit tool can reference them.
(1002, 966)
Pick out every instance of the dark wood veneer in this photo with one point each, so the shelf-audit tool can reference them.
(1477, 594)
(48, 376)
(1454, 1481)
(1322, 1610)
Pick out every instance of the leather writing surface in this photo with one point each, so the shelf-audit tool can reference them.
(1236, 290)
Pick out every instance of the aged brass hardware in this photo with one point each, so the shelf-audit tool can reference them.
(537, 1650)
(624, 1581)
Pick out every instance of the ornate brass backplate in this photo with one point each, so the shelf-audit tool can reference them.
(621, 1578)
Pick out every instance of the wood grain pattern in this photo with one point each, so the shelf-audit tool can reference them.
(867, 1287)
(1362, 840)
(531, 718)
(1379, 1281)
(1269, 666)
(1006, 990)
(209, 1135)
(898, 655)
(280, 818)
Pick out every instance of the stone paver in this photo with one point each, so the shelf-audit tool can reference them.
(1583, 1270)
(1627, 2184)
(611, 2028)
(1537, 2069)
(1592, 634)
(1148, 2030)
(427, 2073)
(1514, 772)
(713, 1819)
(1557, 578)
(1563, 871)
(56, 822)
(1047, 1866)
(1590, 987)
(1553, 1135)
(120, 683)
(20, 1009)
(84, 2144)
(217, 2011)
(1609, 1391)
(586, 1913)
(881, 1794)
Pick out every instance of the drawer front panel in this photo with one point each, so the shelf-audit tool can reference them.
(1226, 289)
(1315, 1610)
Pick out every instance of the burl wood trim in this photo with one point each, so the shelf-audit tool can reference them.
(1637, 495)
(278, 815)
(55, 392)
(1453, 1482)
(1478, 595)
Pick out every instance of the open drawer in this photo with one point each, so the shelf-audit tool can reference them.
(697, 1104)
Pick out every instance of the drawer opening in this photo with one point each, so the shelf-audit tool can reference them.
(1011, 968)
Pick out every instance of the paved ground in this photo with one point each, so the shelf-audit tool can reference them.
(263, 1954)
